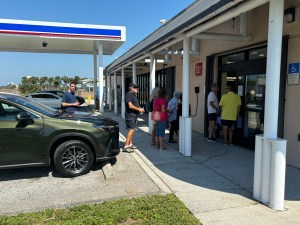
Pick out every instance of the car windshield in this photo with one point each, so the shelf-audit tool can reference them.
(34, 105)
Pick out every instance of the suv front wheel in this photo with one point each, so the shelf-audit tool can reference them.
(73, 158)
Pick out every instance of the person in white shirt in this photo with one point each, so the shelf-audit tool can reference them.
(212, 110)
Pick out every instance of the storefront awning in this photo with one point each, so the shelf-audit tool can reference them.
(194, 15)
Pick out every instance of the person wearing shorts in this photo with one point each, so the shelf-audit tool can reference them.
(212, 110)
(132, 110)
(230, 104)
(160, 105)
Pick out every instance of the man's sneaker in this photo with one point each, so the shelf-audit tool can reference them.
(128, 149)
(211, 139)
(133, 147)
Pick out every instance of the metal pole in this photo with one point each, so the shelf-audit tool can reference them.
(152, 85)
(115, 93)
(186, 124)
(186, 77)
(109, 91)
(100, 69)
(123, 92)
(134, 72)
(96, 94)
(273, 68)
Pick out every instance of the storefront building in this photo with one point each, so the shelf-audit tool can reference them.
(228, 45)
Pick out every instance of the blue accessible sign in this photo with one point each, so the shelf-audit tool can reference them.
(293, 73)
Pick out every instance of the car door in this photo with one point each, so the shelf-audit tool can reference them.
(20, 143)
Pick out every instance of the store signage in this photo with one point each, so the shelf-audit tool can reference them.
(198, 69)
(293, 73)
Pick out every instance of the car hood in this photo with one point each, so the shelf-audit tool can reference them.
(94, 118)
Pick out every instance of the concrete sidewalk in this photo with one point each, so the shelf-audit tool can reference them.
(215, 183)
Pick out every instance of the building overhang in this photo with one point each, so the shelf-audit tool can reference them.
(53, 37)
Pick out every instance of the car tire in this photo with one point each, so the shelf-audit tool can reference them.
(73, 158)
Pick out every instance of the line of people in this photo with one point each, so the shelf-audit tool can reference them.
(164, 113)
(230, 105)
(168, 114)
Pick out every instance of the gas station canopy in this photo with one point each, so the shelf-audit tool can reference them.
(53, 37)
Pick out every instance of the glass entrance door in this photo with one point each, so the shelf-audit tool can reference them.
(255, 86)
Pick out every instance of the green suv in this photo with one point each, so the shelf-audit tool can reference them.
(32, 134)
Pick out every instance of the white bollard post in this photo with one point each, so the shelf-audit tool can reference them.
(278, 167)
(188, 136)
(258, 155)
(181, 134)
(266, 172)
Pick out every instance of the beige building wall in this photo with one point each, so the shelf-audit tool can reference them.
(292, 109)
(216, 47)
(292, 105)
(257, 27)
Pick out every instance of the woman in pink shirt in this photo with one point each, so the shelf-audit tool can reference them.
(160, 105)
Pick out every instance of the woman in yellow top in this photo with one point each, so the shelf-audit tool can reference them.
(230, 104)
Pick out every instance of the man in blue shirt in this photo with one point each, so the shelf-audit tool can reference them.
(69, 102)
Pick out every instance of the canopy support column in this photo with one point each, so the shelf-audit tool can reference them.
(152, 85)
(134, 72)
(123, 93)
(100, 74)
(96, 94)
(115, 93)
(185, 131)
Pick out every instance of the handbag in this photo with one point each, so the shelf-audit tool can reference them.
(157, 116)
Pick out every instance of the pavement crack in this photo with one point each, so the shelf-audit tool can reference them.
(212, 157)
(233, 207)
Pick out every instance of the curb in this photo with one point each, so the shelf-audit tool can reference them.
(108, 171)
(149, 169)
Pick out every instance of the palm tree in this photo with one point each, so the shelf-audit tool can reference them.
(43, 82)
(76, 79)
(50, 82)
(57, 82)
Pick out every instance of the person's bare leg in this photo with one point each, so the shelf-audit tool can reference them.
(230, 134)
(161, 143)
(153, 133)
(128, 141)
(157, 141)
(225, 134)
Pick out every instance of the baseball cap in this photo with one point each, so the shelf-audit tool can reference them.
(133, 85)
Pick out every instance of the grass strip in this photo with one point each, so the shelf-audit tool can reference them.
(155, 209)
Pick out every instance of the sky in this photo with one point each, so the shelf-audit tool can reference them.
(140, 17)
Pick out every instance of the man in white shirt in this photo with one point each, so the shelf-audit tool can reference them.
(212, 110)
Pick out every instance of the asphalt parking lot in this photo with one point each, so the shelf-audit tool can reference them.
(34, 189)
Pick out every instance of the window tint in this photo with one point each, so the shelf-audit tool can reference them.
(44, 96)
(60, 94)
(9, 111)
(258, 53)
(234, 58)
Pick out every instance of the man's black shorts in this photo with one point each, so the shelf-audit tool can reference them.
(227, 123)
(212, 116)
(131, 122)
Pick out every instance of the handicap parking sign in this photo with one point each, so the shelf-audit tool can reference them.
(293, 73)
(293, 68)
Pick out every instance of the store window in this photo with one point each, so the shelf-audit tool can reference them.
(258, 53)
(234, 58)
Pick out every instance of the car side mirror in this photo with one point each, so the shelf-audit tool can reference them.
(24, 117)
